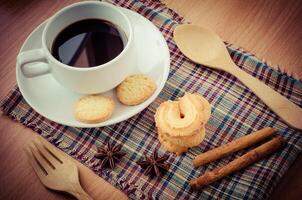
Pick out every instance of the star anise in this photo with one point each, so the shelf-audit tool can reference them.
(109, 155)
(154, 165)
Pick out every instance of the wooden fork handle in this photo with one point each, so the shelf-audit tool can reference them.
(80, 194)
(283, 107)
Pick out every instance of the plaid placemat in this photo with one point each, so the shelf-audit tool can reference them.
(236, 112)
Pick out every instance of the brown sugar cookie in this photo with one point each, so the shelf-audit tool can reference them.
(93, 109)
(135, 89)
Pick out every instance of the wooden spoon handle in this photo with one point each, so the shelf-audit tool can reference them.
(83, 196)
(283, 107)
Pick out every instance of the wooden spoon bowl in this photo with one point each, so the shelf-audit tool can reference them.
(205, 47)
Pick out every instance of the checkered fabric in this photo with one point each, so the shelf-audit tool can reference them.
(236, 111)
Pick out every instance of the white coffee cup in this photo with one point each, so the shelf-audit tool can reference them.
(91, 80)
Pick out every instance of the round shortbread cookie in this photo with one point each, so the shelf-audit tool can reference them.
(173, 148)
(93, 109)
(135, 89)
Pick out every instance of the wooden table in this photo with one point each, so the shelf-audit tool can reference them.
(270, 29)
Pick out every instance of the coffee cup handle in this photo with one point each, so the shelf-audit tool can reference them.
(39, 62)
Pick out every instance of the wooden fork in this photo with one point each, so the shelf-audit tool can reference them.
(55, 170)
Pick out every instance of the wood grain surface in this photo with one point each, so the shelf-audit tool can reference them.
(269, 29)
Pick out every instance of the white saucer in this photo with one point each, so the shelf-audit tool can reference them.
(54, 102)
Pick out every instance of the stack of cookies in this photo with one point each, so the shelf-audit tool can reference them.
(181, 124)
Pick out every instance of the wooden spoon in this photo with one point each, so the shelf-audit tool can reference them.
(205, 47)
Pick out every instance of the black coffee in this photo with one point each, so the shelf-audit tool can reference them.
(88, 43)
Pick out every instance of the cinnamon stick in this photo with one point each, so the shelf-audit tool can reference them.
(231, 147)
(239, 163)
